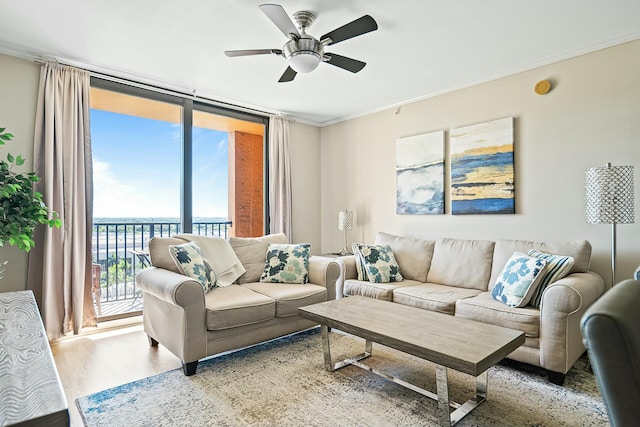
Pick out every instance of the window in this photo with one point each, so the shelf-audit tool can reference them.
(164, 165)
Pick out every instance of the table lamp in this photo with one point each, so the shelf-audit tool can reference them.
(345, 223)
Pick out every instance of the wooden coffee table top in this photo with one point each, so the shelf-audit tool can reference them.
(464, 345)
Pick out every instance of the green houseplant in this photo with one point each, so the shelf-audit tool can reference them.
(21, 208)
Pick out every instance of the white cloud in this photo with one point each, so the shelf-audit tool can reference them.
(114, 198)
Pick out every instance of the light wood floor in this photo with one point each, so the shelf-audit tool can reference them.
(109, 356)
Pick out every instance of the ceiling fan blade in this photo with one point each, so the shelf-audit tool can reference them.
(288, 75)
(247, 52)
(360, 26)
(345, 63)
(278, 16)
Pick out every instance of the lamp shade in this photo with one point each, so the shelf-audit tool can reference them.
(609, 195)
(345, 220)
(304, 62)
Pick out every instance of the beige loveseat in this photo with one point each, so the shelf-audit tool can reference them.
(193, 325)
(455, 277)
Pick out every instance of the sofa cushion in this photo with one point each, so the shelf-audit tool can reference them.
(191, 262)
(461, 263)
(412, 255)
(159, 252)
(286, 263)
(236, 305)
(432, 297)
(579, 250)
(252, 253)
(519, 280)
(383, 291)
(289, 297)
(484, 308)
(380, 264)
(557, 267)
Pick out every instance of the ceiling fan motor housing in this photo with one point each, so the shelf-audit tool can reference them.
(304, 54)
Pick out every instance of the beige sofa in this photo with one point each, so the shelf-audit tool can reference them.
(455, 277)
(193, 325)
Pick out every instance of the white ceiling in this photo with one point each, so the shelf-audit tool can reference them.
(422, 47)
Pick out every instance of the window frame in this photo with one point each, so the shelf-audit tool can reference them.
(189, 105)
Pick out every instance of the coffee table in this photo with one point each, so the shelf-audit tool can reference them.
(450, 342)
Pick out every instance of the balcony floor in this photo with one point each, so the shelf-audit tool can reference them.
(116, 308)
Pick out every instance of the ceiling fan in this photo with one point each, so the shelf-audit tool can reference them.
(304, 52)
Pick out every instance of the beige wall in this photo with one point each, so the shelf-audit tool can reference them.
(305, 184)
(18, 97)
(592, 116)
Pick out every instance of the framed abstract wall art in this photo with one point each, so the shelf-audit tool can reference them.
(482, 171)
(420, 174)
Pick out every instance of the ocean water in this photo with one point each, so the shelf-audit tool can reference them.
(482, 206)
(482, 184)
(420, 190)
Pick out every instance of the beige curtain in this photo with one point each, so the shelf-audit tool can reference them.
(279, 177)
(60, 264)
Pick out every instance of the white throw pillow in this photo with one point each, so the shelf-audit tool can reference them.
(518, 280)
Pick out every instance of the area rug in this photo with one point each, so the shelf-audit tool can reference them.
(283, 383)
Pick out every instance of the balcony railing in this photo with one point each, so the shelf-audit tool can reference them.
(119, 247)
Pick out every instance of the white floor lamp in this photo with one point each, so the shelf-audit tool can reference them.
(345, 223)
(609, 200)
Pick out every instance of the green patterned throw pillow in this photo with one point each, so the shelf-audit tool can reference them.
(518, 280)
(557, 267)
(380, 264)
(191, 262)
(286, 263)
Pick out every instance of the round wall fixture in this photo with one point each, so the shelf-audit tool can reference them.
(542, 87)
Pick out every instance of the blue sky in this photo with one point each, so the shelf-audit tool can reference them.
(136, 168)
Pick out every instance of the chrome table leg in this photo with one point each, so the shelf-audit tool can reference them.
(442, 388)
(326, 346)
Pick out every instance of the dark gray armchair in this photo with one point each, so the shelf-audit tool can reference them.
(611, 331)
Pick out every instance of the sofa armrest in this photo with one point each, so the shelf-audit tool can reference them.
(174, 312)
(170, 287)
(325, 272)
(563, 304)
(350, 271)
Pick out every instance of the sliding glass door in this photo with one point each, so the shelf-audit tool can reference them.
(164, 165)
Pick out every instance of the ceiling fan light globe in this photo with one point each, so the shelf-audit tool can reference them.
(304, 62)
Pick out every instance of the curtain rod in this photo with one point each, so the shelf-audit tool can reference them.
(159, 89)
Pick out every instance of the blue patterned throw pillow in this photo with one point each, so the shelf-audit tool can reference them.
(191, 262)
(558, 266)
(380, 264)
(286, 263)
(518, 280)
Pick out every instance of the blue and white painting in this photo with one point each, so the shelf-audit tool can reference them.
(482, 178)
(420, 174)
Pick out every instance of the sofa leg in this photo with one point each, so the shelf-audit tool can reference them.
(152, 342)
(189, 368)
(556, 378)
